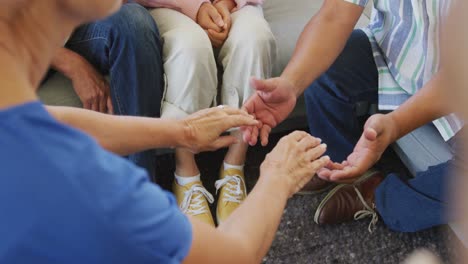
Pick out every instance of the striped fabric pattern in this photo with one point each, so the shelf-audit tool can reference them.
(404, 35)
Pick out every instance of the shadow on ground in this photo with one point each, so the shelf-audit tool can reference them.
(300, 240)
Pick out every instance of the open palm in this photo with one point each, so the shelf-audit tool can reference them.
(273, 101)
(379, 133)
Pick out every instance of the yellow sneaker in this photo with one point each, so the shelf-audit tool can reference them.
(193, 200)
(232, 194)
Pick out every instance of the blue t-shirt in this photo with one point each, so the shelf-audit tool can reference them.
(63, 199)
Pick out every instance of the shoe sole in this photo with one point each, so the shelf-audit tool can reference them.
(322, 204)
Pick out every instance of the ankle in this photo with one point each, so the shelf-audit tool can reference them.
(183, 180)
(228, 166)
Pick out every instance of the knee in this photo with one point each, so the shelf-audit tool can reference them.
(190, 45)
(133, 24)
(253, 34)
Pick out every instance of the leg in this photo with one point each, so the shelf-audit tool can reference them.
(187, 50)
(191, 73)
(250, 50)
(338, 101)
(417, 204)
(127, 47)
(421, 202)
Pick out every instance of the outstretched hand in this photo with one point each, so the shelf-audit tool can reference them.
(379, 132)
(203, 129)
(272, 102)
(294, 161)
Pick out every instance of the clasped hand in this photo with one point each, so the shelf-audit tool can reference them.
(216, 20)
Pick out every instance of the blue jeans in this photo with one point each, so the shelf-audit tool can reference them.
(127, 47)
(338, 104)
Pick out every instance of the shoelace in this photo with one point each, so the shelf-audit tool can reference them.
(367, 212)
(234, 188)
(193, 202)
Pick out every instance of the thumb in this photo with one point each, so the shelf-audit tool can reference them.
(373, 128)
(262, 85)
(224, 141)
(217, 18)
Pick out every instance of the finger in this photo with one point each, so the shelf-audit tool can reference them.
(370, 134)
(216, 17)
(315, 153)
(297, 135)
(238, 120)
(264, 133)
(335, 166)
(307, 143)
(103, 104)
(349, 172)
(224, 141)
(232, 111)
(254, 137)
(95, 106)
(87, 105)
(212, 26)
(324, 173)
(110, 107)
(319, 163)
(246, 133)
(220, 36)
(262, 85)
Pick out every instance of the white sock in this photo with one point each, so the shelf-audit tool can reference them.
(186, 180)
(236, 167)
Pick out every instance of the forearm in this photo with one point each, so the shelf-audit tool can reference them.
(247, 234)
(322, 40)
(255, 222)
(65, 60)
(122, 135)
(426, 105)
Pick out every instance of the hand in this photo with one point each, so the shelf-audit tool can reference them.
(209, 18)
(271, 104)
(379, 132)
(91, 87)
(203, 129)
(224, 9)
(294, 160)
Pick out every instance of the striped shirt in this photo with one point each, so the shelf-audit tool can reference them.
(404, 35)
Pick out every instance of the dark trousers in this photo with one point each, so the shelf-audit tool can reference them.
(127, 47)
(338, 103)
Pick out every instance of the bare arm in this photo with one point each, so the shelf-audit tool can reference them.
(322, 40)
(90, 86)
(247, 234)
(380, 130)
(65, 62)
(426, 105)
(125, 135)
(122, 135)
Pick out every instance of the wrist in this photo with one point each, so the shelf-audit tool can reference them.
(395, 131)
(275, 184)
(294, 83)
(183, 133)
(229, 4)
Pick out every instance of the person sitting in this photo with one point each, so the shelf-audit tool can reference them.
(127, 48)
(65, 199)
(198, 36)
(347, 75)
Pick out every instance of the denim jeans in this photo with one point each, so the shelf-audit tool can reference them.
(338, 104)
(127, 47)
